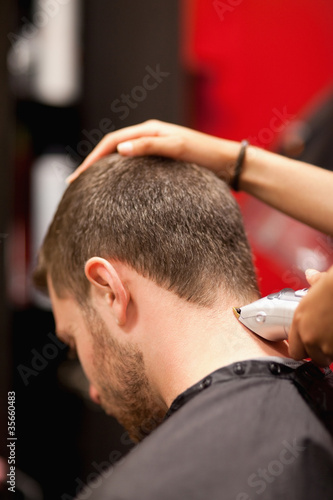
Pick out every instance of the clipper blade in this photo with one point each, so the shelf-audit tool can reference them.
(236, 312)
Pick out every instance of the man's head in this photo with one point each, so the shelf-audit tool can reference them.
(177, 229)
(173, 222)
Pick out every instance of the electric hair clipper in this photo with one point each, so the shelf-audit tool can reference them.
(270, 317)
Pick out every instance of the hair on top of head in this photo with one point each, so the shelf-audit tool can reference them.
(173, 222)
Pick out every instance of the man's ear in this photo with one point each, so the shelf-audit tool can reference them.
(102, 274)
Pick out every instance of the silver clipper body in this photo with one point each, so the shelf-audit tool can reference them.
(270, 317)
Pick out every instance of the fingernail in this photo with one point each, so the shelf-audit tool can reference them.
(125, 147)
(311, 272)
(69, 179)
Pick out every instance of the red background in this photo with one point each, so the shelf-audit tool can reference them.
(254, 66)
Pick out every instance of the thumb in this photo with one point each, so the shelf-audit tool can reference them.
(312, 276)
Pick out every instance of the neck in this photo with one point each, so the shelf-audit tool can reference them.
(185, 343)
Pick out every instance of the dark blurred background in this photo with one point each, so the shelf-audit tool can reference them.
(73, 70)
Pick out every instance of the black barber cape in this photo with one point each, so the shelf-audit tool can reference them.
(257, 429)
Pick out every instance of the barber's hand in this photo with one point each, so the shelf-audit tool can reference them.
(311, 333)
(154, 137)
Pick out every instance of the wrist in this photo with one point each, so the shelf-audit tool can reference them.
(253, 175)
(225, 159)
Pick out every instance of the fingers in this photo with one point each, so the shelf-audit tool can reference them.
(314, 353)
(312, 276)
(299, 350)
(109, 143)
(296, 346)
(183, 144)
(170, 146)
(311, 334)
(154, 137)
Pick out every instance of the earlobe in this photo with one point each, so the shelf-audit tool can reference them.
(104, 277)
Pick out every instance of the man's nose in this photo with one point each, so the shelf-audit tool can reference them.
(94, 396)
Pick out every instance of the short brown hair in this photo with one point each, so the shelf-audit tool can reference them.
(173, 222)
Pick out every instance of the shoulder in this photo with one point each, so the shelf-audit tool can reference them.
(238, 439)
